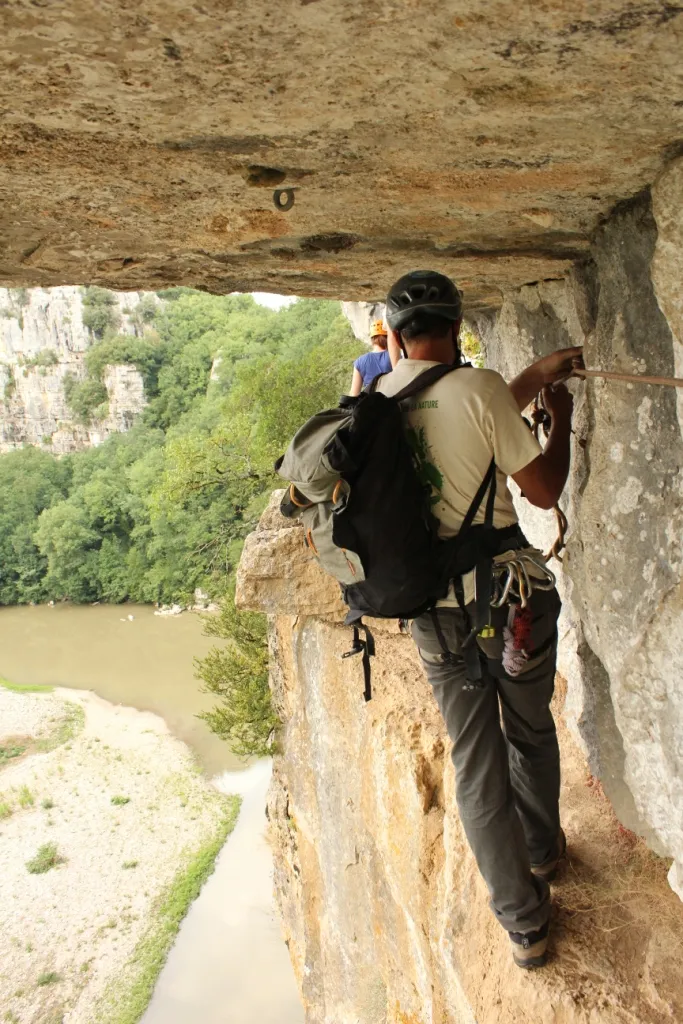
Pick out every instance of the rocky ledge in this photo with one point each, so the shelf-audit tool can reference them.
(384, 913)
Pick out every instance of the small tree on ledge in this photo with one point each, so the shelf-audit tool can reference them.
(238, 675)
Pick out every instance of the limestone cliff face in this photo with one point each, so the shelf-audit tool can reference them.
(361, 316)
(622, 576)
(383, 910)
(46, 325)
(142, 147)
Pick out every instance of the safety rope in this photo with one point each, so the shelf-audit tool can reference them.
(541, 421)
(638, 378)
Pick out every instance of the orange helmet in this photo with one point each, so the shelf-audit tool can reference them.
(377, 327)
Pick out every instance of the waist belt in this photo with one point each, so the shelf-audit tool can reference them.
(474, 548)
(508, 539)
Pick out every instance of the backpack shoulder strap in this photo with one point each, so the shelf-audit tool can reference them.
(425, 380)
(487, 484)
(372, 386)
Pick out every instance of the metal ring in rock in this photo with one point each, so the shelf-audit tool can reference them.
(287, 194)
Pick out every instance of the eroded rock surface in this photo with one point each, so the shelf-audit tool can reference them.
(42, 341)
(622, 576)
(141, 144)
(384, 913)
(361, 316)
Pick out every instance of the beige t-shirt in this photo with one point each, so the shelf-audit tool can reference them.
(456, 427)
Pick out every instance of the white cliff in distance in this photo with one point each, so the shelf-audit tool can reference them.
(42, 340)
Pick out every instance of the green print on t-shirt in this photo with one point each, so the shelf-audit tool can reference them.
(428, 473)
(432, 403)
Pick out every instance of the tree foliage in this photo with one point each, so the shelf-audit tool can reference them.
(237, 674)
(100, 311)
(87, 398)
(31, 481)
(155, 513)
(44, 358)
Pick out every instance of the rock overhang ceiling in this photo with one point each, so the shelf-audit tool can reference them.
(142, 143)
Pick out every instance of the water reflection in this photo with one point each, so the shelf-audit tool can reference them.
(229, 963)
(146, 663)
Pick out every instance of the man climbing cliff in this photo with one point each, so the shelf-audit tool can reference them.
(505, 748)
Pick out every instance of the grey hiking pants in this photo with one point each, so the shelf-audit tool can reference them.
(506, 757)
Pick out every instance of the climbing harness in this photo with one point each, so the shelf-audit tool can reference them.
(510, 582)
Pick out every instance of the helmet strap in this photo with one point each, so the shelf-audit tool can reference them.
(457, 355)
(400, 341)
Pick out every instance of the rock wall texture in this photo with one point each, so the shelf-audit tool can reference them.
(141, 143)
(383, 910)
(33, 408)
(384, 914)
(361, 316)
(622, 574)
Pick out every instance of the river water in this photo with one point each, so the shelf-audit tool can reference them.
(229, 963)
(145, 664)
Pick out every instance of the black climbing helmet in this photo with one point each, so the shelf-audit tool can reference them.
(425, 291)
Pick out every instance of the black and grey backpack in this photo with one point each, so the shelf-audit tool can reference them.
(354, 481)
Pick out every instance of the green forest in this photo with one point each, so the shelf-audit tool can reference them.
(152, 514)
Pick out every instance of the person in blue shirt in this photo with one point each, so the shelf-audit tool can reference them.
(372, 363)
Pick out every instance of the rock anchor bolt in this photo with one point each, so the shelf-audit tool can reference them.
(283, 198)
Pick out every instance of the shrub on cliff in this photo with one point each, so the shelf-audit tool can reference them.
(237, 674)
(44, 358)
(100, 311)
(86, 398)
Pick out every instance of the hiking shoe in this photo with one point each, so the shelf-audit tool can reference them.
(529, 949)
(548, 869)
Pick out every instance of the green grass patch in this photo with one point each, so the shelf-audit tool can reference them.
(47, 804)
(128, 865)
(68, 726)
(48, 978)
(5, 810)
(48, 857)
(120, 801)
(8, 751)
(128, 997)
(26, 797)
(24, 687)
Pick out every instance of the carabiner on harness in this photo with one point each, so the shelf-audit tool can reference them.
(512, 581)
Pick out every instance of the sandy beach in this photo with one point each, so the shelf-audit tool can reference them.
(116, 807)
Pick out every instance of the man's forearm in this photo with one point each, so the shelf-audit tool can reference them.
(552, 369)
(527, 385)
(556, 454)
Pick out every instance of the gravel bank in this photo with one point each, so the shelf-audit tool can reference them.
(127, 810)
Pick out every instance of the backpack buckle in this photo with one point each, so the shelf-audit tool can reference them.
(357, 648)
(367, 649)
